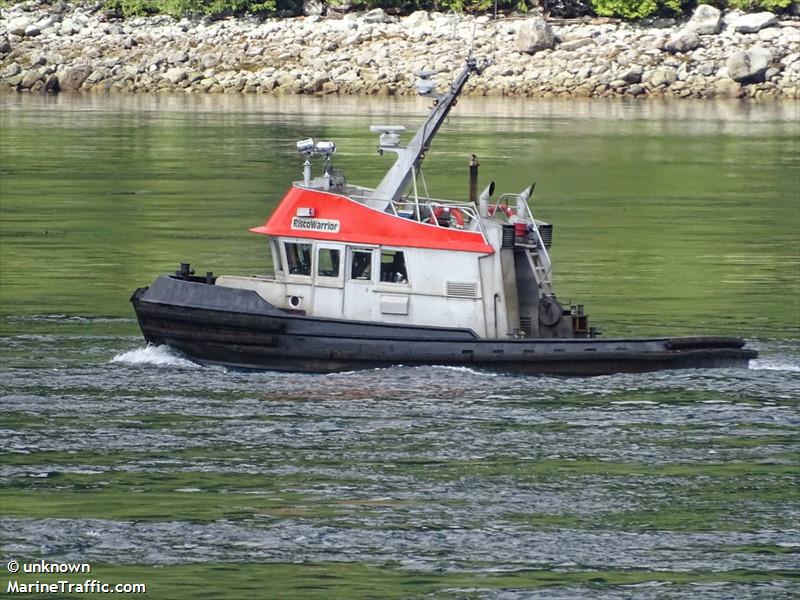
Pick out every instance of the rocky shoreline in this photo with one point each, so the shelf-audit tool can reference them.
(69, 48)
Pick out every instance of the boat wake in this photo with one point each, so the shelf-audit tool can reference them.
(773, 364)
(159, 356)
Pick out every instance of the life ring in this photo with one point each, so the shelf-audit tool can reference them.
(508, 210)
(454, 213)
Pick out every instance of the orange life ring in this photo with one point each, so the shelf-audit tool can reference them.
(508, 210)
(454, 212)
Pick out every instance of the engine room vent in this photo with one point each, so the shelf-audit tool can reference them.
(462, 289)
(546, 231)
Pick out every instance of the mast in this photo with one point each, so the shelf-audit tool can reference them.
(409, 158)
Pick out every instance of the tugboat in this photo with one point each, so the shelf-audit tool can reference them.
(375, 277)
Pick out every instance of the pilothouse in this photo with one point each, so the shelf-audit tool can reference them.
(367, 277)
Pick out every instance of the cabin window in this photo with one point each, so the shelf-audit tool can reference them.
(362, 265)
(298, 258)
(276, 256)
(393, 266)
(328, 262)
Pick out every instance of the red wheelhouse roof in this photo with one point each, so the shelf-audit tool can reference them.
(340, 219)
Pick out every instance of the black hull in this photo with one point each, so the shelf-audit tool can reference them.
(238, 329)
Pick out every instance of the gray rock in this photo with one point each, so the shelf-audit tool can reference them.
(32, 31)
(727, 88)
(684, 41)
(770, 34)
(96, 76)
(575, 44)
(30, 78)
(771, 72)
(51, 85)
(376, 15)
(790, 59)
(663, 23)
(12, 69)
(45, 23)
(313, 8)
(18, 25)
(417, 18)
(5, 45)
(755, 22)
(706, 69)
(633, 74)
(706, 20)
(72, 79)
(69, 27)
(175, 58)
(176, 75)
(749, 66)
(534, 35)
(210, 60)
(340, 6)
(665, 76)
(14, 81)
(794, 9)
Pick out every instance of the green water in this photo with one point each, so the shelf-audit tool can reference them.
(425, 482)
(670, 218)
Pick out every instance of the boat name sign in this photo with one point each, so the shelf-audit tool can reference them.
(323, 225)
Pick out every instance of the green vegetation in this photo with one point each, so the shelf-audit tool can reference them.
(635, 9)
(626, 9)
(756, 5)
(639, 9)
(180, 8)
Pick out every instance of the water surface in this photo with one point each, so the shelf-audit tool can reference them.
(403, 482)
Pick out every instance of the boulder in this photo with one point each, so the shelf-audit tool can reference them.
(376, 15)
(749, 66)
(177, 57)
(685, 40)
(14, 80)
(32, 31)
(417, 18)
(727, 88)
(312, 8)
(5, 45)
(665, 76)
(633, 74)
(69, 27)
(340, 6)
(706, 20)
(18, 25)
(72, 79)
(575, 44)
(51, 85)
(15, 69)
(30, 78)
(534, 35)
(176, 75)
(755, 22)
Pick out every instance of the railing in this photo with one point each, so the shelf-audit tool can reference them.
(521, 204)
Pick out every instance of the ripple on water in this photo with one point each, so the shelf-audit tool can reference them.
(431, 468)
